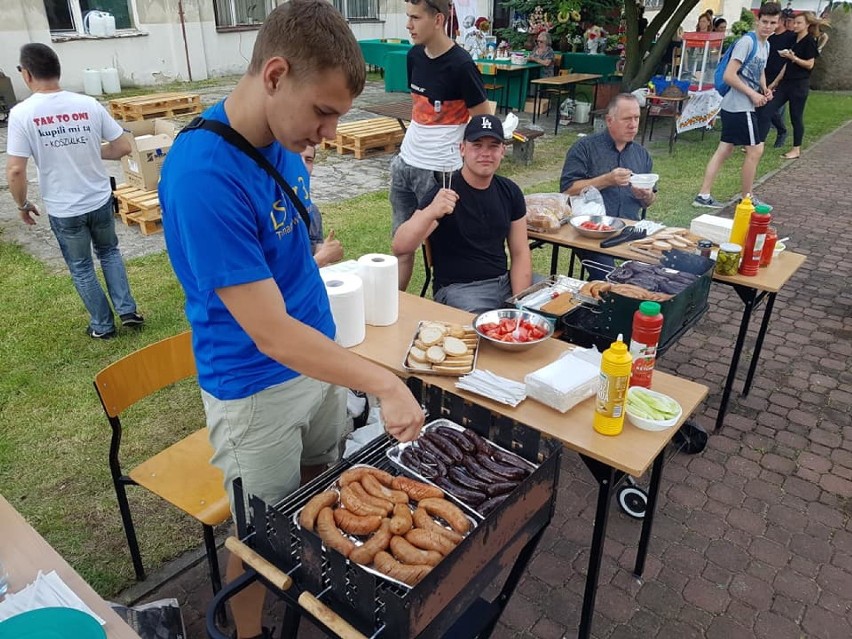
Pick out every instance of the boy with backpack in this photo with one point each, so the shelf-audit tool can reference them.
(743, 85)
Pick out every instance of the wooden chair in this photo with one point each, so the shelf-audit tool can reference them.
(489, 73)
(181, 474)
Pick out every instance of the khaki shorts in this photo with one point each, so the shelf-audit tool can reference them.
(267, 437)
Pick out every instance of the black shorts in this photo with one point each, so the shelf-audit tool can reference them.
(740, 128)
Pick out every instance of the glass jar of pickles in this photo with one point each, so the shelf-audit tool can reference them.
(728, 259)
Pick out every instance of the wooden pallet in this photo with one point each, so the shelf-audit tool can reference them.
(158, 105)
(382, 134)
(136, 206)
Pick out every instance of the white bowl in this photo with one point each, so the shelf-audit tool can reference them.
(650, 424)
(778, 248)
(644, 180)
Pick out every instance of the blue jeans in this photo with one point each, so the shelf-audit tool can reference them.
(77, 236)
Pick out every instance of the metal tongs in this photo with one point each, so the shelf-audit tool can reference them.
(631, 233)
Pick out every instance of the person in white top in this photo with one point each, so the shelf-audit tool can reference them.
(62, 132)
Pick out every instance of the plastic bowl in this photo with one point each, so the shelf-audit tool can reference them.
(778, 248)
(512, 313)
(616, 223)
(644, 180)
(651, 424)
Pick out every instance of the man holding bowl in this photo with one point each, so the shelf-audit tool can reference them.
(611, 162)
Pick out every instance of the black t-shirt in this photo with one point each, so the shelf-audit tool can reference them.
(805, 49)
(451, 80)
(469, 245)
(775, 62)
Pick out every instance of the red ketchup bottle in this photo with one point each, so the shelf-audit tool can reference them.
(647, 327)
(755, 239)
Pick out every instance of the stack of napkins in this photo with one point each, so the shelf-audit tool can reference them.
(567, 381)
(487, 384)
(712, 227)
(47, 591)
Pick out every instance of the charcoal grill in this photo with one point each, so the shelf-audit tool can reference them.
(349, 601)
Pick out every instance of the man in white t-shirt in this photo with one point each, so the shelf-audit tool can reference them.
(62, 132)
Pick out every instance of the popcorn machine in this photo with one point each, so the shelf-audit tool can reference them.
(700, 55)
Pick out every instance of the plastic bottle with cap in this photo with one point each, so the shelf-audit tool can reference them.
(644, 339)
(755, 238)
(742, 216)
(612, 388)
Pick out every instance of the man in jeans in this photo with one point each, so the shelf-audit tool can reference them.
(62, 132)
(446, 90)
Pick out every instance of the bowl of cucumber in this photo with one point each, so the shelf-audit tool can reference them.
(650, 410)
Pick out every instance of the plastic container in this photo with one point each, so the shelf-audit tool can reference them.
(728, 259)
(755, 239)
(612, 389)
(581, 112)
(110, 81)
(769, 247)
(92, 82)
(742, 217)
(647, 327)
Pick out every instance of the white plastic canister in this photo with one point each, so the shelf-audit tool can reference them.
(95, 23)
(581, 112)
(110, 81)
(92, 82)
(109, 26)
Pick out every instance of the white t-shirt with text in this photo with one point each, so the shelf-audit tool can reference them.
(62, 132)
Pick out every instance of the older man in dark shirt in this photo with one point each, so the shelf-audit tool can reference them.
(606, 160)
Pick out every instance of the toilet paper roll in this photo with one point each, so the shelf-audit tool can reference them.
(346, 297)
(381, 288)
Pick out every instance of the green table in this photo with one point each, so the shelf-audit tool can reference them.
(516, 78)
(396, 72)
(375, 50)
(590, 63)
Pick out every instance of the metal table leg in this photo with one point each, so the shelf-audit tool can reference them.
(650, 509)
(536, 101)
(758, 345)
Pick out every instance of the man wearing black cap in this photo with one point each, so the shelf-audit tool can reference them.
(469, 222)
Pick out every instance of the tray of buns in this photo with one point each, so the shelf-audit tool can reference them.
(442, 348)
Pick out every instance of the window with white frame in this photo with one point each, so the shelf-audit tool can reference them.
(358, 9)
(238, 13)
(72, 16)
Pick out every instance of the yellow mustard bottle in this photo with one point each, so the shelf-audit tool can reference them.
(616, 364)
(742, 218)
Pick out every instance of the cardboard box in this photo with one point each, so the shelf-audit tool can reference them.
(542, 106)
(150, 141)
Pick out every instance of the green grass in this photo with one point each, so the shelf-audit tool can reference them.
(53, 435)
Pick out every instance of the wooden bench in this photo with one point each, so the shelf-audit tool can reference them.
(522, 150)
(158, 105)
(382, 134)
(136, 206)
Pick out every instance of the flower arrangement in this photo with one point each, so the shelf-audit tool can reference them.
(538, 21)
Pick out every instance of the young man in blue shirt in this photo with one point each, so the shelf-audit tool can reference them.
(272, 378)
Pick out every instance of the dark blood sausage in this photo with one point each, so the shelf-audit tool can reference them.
(412, 461)
(490, 504)
(500, 489)
(429, 460)
(470, 497)
(459, 475)
(455, 436)
(430, 447)
(480, 472)
(449, 448)
(511, 460)
(482, 446)
(509, 472)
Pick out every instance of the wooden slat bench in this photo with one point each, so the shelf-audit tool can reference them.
(136, 206)
(158, 105)
(359, 137)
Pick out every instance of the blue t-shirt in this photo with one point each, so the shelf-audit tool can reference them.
(226, 223)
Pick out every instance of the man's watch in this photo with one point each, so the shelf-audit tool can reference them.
(25, 206)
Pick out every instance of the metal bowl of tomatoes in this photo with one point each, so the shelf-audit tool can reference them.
(511, 329)
(596, 227)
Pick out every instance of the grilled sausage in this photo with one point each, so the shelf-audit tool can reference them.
(331, 535)
(356, 474)
(500, 489)
(430, 540)
(349, 522)
(401, 522)
(411, 460)
(450, 513)
(430, 447)
(416, 490)
(402, 572)
(374, 488)
(456, 436)
(365, 553)
(509, 472)
(409, 554)
(478, 470)
(482, 446)
(355, 502)
(489, 505)
(431, 461)
(470, 497)
(459, 475)
(511, 459)
(447, 447)
(308, 516)
(358, 488)
(424, 520)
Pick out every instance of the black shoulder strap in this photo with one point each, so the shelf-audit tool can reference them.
(235, 138)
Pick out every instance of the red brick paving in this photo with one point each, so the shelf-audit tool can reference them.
(753, 537)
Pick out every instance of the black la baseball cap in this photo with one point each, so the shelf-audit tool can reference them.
(481, 126)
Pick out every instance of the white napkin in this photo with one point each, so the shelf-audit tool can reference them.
(566, 382)
(487, 384)
(47, 591)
